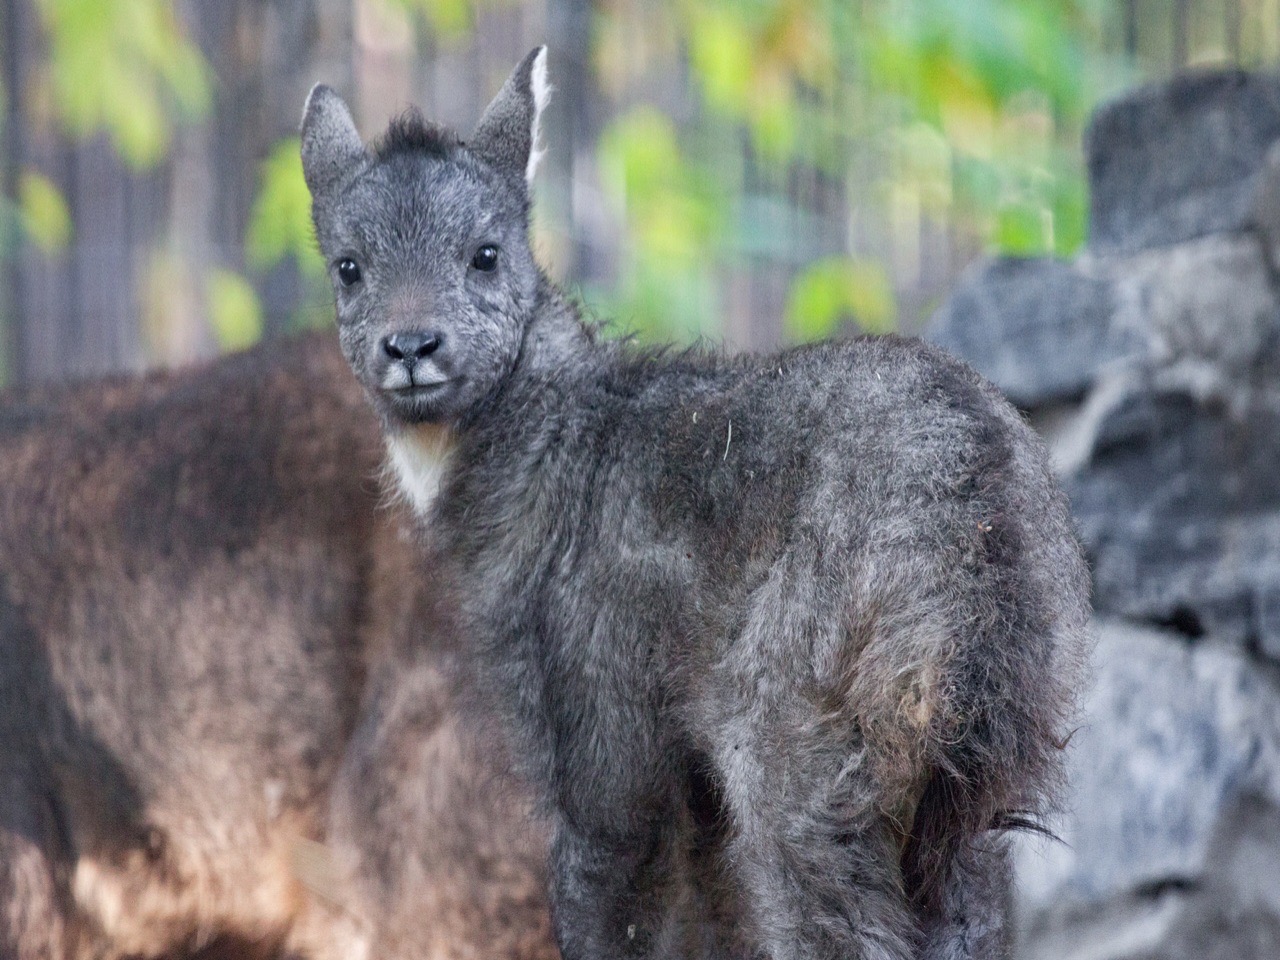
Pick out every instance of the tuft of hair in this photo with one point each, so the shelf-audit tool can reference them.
(411, 132)
(541, 91)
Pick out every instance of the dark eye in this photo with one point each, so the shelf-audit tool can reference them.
(486, 258)
(348, 272)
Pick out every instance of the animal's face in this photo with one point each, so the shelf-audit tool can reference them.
(433, 277)
(427, 246)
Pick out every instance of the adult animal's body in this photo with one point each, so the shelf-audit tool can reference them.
(228, 722)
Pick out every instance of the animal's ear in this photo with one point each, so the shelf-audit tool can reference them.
(330, 144)
(507, 135)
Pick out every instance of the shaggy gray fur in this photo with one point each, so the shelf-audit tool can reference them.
(788, 638)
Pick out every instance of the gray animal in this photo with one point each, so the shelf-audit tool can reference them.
(788, 639)
(228, 718)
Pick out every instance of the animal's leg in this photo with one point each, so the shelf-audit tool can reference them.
(817, 859)
(612, 892)
(969, 922)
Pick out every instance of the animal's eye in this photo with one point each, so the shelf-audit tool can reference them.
(348, 272)
(486, 258)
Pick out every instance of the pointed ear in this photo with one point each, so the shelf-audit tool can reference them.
(330, 144)
(507, 135)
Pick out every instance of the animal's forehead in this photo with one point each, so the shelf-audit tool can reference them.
(420, 197)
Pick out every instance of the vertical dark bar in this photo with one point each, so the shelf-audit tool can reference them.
(295, 27)
(1131, 28)
(1232, 16)
(12, 314)
(569, 44)
(102, 263)
(1181, 33)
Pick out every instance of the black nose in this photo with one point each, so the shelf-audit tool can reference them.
(414, 346)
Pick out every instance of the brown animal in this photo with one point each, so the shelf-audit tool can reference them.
(228, 713)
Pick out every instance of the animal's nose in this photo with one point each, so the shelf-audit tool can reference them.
(412, 346)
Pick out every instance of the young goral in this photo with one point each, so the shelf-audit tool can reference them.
(788, 640)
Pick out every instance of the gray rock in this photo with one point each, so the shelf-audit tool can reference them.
(1172, 842)
(1207, 314)
(1038, 328)
(1152, 366)
(1171, 457)
(1201, 316)
(1179, 160)
(1266, 207)
(1179, 507)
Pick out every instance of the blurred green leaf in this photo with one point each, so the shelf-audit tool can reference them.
(1070, 209)
(123, 66)
(43, 212)
(837, 289)
(449, 19)
(722, 50)
(280, 221)
(674, 215)
(234, 311)
(1021, 229)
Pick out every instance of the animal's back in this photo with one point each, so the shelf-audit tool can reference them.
(944, 597)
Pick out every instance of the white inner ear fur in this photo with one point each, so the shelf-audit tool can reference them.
(541, 94)
(419, 458)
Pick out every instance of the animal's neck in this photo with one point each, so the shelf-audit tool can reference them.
(556, 339)
(419, 457)
(558, 355)
(558, 348)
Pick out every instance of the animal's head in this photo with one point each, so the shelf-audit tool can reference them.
(426, 239)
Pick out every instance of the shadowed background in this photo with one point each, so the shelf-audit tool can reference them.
(761, 171)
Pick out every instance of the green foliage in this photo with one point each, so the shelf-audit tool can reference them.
(837, 289)
(234, 311)
(42, 212)
(280, 223)
(280, 229)
(970, 112)
(1009, 86)
(123, 66)
(676, 213)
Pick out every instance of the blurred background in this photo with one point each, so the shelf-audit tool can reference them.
(1079, 197)
(757, 171)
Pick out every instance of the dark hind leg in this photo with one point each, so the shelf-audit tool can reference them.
(816, 859)
(969, 919)
(958, 879)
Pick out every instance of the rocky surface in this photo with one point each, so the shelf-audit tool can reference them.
(1173, 848)
(1042, 327)
(1178, 160)
(1152, 365)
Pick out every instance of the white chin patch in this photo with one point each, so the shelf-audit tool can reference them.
(419, 457)
(541, 94)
